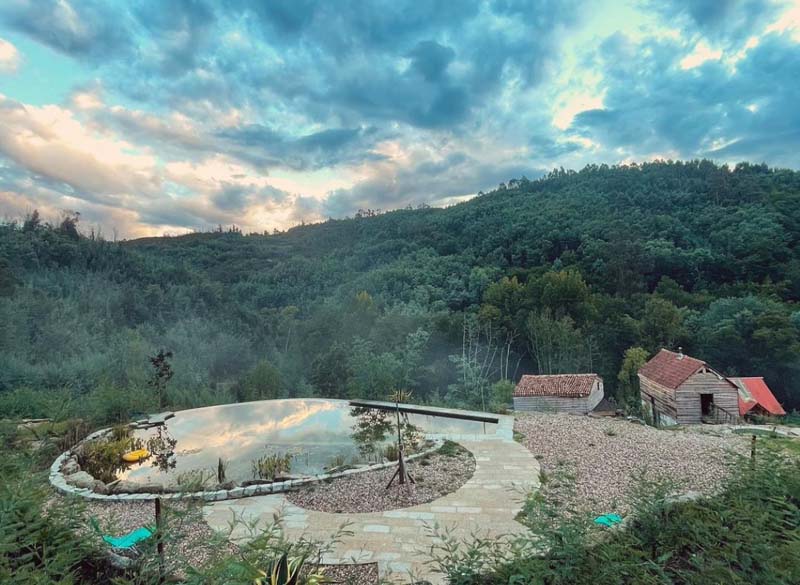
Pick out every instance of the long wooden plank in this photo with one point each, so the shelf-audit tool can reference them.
(430, 411)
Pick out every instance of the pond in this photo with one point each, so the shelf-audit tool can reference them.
(315, 435)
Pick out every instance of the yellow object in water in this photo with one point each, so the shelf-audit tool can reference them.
(135, 456)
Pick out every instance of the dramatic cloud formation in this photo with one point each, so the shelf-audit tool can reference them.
(149, 119)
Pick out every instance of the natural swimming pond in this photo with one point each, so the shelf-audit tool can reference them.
(315, 434)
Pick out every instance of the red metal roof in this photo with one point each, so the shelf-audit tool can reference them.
(670, 369)
(569, 385)
(755, 392)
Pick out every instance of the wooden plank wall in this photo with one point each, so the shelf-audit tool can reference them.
(687, 396)
(664, 397)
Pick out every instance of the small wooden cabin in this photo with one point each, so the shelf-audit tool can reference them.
(678, 389)
(572, 393)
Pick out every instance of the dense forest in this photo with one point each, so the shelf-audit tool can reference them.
(577, 271)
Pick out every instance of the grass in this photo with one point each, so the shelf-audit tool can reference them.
(756, 432)
(791, 446)
(772, 440)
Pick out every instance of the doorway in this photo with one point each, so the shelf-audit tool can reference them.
(706, 404)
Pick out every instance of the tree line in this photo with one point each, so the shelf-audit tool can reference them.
(592, 270)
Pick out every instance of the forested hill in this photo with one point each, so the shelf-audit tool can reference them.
(561, 274)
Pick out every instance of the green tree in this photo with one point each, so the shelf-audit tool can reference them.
(628, 389)
(330, 372)
(263, 382)
(557, 345)
(662, 324)
(161, 375)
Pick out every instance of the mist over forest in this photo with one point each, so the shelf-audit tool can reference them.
(561, 274)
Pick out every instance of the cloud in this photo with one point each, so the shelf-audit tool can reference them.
(654, 106)
(9, 57)
(89, 28)
(51, 142)
(264, 114)
(417, 177)
(726, 21)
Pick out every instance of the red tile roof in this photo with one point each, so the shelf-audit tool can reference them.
(569, 385)
(670, 369)
(755, 392)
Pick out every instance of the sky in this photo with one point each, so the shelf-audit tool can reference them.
(152, 118)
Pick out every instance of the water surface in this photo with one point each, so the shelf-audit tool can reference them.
(317, 432)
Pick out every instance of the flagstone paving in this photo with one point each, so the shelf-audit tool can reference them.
(398, 540)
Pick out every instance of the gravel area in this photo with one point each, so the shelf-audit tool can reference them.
(605, 455)
(362, 574)
(189, 540)
(436, 475)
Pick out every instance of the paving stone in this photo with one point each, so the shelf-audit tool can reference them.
(398, 539)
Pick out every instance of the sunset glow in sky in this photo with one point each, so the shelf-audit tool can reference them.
(153, 117)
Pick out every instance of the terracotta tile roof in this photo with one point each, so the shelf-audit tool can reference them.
(755, 392)
(670, 369)
(569, 385)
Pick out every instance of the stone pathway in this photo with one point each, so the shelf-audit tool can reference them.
(397, 539)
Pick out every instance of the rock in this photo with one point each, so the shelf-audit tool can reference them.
(124, 487)
(250, 482)
(81, 479)
(70, 467)
(150, 488)
(287, 477)
(99, 487)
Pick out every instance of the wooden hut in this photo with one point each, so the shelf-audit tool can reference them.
(678, 389)
(572, 393)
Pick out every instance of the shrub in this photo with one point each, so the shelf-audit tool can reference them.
(450, 449)
(391, 452)
(39, 543)
(268, 558)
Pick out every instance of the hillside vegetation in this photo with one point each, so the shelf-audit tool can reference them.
(572, 272)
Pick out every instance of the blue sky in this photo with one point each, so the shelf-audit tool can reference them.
(150, 117)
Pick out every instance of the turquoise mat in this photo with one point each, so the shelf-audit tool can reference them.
(129, 540)
(608, 520)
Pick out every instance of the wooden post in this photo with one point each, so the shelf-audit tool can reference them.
(401, 464)
(400, 472)
(753, 451)
(160, 542)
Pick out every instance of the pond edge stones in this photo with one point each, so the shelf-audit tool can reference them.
(67, 477)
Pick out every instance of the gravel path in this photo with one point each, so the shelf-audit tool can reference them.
(605, 455)
(436, 475)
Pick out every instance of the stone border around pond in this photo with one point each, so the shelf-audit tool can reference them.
(58, 480)
(503, 430)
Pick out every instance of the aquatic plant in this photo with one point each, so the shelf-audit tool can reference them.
(270, 465)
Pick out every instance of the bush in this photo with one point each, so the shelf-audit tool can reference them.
(391, 452)
(40, 543)
(502, 393)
